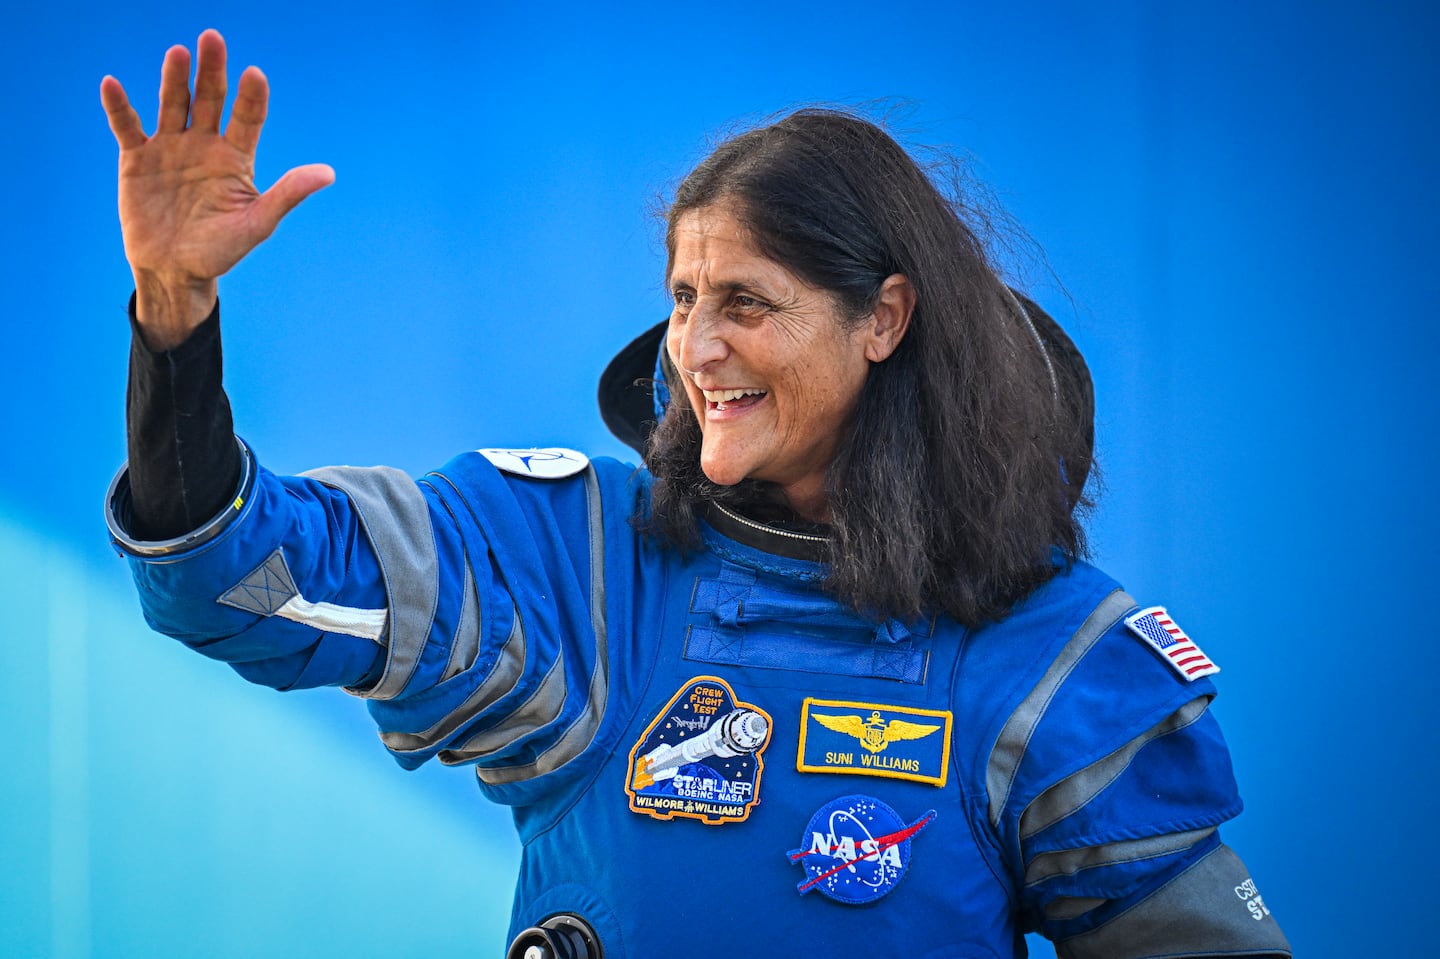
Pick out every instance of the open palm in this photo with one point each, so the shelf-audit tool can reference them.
(189, 207)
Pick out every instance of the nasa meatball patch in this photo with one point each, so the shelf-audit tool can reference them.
(700, 758)
(856, 849)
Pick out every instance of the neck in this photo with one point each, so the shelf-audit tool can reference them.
(809, 499)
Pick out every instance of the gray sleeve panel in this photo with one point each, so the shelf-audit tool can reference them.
(1210, 909)
(1077, 789)
(465, 644)
(396, 520)
(1010, 745)
(1069, 907)
(1067, 862)
(543, 707)
(581, 732)
(509, 667)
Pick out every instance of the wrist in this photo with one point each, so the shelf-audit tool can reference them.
(168, 309)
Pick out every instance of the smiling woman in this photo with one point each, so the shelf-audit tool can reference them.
(909, 401)
(853, 552)
(772, 369)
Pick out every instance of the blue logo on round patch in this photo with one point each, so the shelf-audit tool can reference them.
(856, 849)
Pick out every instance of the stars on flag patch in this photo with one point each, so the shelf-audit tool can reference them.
(1161, 634)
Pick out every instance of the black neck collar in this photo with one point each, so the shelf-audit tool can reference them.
(807, 541)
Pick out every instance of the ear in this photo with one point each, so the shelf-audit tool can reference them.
(890, 319)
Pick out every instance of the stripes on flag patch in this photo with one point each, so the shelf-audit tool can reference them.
(1159, 631)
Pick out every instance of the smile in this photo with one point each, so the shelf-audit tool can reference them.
(722, 400)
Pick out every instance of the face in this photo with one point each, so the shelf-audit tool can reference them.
(770, 369)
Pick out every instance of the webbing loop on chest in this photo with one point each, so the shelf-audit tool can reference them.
(756, 621)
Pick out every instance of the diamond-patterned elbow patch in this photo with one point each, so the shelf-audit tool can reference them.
(264, 589)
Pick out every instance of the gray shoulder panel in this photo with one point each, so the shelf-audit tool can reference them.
(1068, 862)
(1070, 907)
(543, 707)
(1077, 789)
(396, 520)
(509, 666)
(465, 644)
(1015, 736)
(581, 732)
(1210, 909)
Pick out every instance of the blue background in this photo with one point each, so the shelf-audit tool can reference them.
(1238, 199)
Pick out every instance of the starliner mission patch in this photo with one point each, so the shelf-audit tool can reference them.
(700, 758)
(872, 739)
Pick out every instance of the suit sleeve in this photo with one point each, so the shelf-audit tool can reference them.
(467, 608)
(1107, 787)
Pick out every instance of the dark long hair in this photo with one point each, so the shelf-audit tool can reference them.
(952, 491)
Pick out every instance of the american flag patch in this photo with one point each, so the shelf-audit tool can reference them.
(1155, 626)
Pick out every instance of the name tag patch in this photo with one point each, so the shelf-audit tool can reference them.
(700, 758)
(856, 849)
(872, 739)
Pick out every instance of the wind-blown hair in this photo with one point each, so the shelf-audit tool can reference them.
(950, 492)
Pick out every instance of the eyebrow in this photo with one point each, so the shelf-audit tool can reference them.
(731, 286)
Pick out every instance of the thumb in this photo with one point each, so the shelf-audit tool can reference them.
(288, 191)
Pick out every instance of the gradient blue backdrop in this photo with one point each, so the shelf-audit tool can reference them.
(1237, 197)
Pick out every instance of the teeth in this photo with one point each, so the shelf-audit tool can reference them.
(725, 396)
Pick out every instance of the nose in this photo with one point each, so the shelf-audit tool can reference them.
(701, 339)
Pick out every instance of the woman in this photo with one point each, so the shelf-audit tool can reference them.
(832, 666)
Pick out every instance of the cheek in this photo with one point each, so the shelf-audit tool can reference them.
(826, 401)
(815, 384)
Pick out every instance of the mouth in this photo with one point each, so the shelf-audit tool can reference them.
(722, 401)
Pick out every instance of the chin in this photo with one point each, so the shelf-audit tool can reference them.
(721, 477)
(721, 472)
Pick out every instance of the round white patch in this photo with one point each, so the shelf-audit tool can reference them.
(551, 463)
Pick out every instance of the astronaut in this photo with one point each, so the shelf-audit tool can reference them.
(856, 525)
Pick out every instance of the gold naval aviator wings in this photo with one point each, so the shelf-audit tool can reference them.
(896, 742)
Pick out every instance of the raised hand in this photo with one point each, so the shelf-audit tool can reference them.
(189, 208)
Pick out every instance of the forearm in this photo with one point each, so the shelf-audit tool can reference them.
(183, 459)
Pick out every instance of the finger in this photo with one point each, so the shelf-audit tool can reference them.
(287, 193)
(248, 115)
(174, 91)
(124, 121)
(209, 82)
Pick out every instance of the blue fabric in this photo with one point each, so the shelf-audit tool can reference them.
(648, 882)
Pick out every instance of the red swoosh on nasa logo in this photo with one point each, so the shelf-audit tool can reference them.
(881, 844)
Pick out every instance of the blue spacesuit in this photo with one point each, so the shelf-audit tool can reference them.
(708, 756)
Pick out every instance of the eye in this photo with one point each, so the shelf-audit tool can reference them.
(744, 303)
(684, 299)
